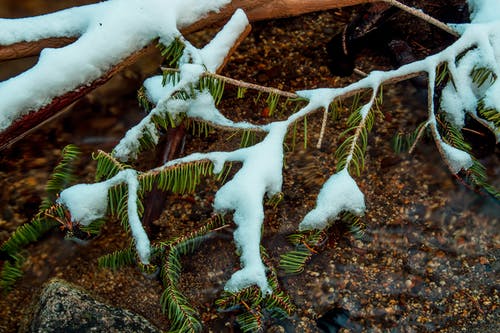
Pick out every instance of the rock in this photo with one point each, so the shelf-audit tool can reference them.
(62, 307)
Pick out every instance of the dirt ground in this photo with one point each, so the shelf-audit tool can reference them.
(428, 262)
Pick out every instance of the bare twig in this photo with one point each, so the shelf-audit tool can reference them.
(323, 128)
(420, 14)
(420, 133)
(243, 84)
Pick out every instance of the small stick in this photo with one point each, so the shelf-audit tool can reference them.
(323, 128)
(243, 84)
(421, 15)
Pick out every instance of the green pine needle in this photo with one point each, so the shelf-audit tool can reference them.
(11, 272)
(62, 175)
(173, 302)
(403, 142)
(117, 259)
(30, 232)
(107, 166)
(172, 52)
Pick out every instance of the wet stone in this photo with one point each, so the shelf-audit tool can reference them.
(63, 307)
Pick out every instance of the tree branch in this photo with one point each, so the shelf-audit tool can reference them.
(29, 122)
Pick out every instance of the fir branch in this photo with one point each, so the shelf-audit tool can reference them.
(11, 272)
(32, 231)
(293, 262)
(117, 259)
(481, 76)
(351, 152)
(173, 302)
(176, 306)
(187, 243)
(143, 100)
(406, 142)
(198, 128)
(107, 165)
(491, 115)
(251, 320)
(214, 86)
(118, 203)
(181, 178)
(94, 228)
(61, 176)
(254, 306)
(306, 243)
(476, 174)
(248, 138)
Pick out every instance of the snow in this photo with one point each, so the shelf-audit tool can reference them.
(86, 202)
(210, 57)
(142, 243)
(155, 89)
(340, 193)
(483, 11)
(261, 173)
(453, 105)
(456, 158)
(213, 53)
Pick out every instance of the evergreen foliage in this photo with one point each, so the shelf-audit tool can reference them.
(62, 176)
(351, 152)
(310, 242)
(182, 316)
(403, 142)
(254, 309)
(118, 259)
(49, 215)
(11, 272)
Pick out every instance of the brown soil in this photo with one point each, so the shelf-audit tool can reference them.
(429, 258)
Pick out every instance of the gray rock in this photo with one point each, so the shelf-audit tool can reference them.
(63, 307)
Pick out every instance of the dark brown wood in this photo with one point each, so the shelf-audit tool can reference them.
(287, 8)
(28, 49)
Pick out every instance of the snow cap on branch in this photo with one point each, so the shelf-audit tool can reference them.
(339, 193)
(457, 159)
(214, 53)
(85, 202)
(88, 202)
(261, 173)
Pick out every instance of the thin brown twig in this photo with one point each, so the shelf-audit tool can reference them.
(239, 83)
(421, 15)
(417, 139)
(323, 128)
